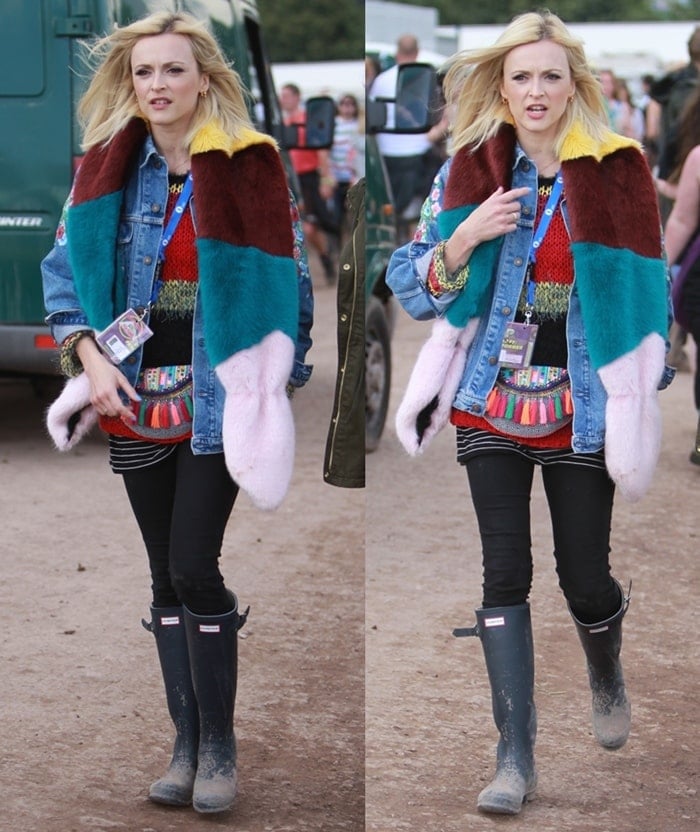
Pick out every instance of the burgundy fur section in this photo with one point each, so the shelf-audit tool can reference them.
(601, 207)
(104, 170)
(597, 193)
(243, 200)
(475, 176)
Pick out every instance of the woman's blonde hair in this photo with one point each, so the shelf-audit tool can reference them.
(473, 83)
(110, 102)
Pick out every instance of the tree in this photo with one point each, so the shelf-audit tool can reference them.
(324, 30)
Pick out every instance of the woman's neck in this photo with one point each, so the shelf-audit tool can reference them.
(542, 154)
(173, 149)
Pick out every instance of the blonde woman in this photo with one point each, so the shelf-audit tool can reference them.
(539, 254)
(179, 293)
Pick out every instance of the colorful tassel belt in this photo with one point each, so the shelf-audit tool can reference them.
(531, 401)
(165, 410)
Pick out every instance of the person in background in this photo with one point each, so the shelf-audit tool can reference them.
(344, 458)
(372, 69)
(608, 84)
(407, 157)
(682, 232)
(547, 290)
(630, 120)
(671, 92)
(316, 182)
(179, 293)
(347, 153)
(651, 112)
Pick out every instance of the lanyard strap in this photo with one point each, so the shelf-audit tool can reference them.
(176, 216)
(540, 231)
(170, 229)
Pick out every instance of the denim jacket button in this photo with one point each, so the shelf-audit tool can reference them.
(518, 261)
(506, 310)
(148, 259)
(155, 208)
(493, 359)
(475, 408)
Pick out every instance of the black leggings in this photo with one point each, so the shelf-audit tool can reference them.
(690, 300)
(580, 502)
(182, 505)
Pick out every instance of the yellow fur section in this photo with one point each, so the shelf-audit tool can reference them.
(212, 137)
(578, 144)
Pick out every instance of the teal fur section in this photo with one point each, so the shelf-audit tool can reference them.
(476, 295)
(91, 228)
(234, 317)
(606, 280)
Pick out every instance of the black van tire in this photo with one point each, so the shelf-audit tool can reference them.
(377, 372)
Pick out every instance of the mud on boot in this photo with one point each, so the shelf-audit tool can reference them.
(506, 638)
(168, 626)
(213, 646)
(610, 707)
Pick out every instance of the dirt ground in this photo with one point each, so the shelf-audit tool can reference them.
(357, 709)
(430, 740)
(82, 712)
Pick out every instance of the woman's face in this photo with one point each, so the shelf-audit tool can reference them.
(167, 80)
(537, 85)
(347, 108)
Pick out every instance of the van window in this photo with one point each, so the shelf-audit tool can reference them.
(21, 54)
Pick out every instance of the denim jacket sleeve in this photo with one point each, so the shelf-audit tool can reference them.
(301, 371)
(407, 274)
(64, 313)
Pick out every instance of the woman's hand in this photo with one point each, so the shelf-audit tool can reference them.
(496, 215)
(105, 382)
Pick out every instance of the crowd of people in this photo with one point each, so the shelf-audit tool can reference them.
(325, 176)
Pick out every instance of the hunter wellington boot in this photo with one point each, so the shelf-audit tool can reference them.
(213, 647)
(611, 709)
(506, 638)
(168, 627)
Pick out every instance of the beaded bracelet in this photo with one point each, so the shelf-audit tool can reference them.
(438, 280)
(68, 359)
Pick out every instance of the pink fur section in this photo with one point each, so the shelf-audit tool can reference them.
(74, 398)
(633, 416)
(437, 372)
(258, 426)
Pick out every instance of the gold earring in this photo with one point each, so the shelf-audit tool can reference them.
(203, 93)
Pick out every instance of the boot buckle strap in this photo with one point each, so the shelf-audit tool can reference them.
(461, 632)
(243, 617)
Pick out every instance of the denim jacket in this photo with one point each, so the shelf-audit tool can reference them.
(407, 277)
(140, 232)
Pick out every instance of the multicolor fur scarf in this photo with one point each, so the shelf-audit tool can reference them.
(620, 277)
(248, 285)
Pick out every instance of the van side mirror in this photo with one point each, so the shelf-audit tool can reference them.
(318, 133)
(415, 91)
(375, 115)
(411, 111)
